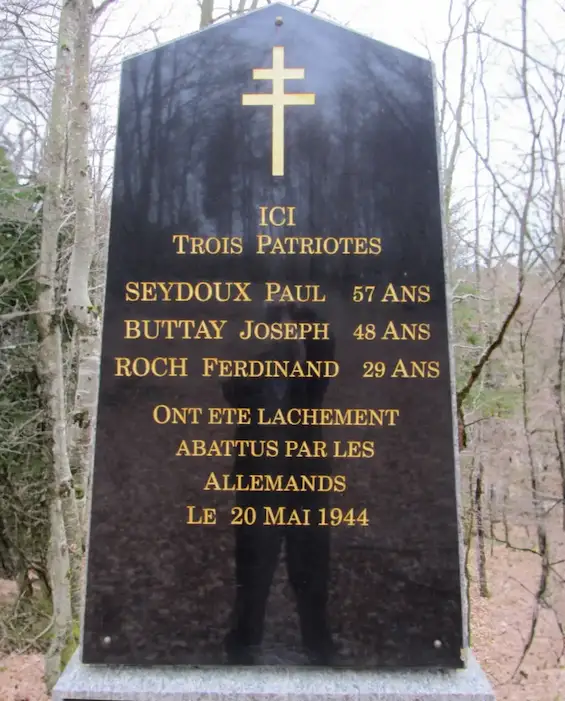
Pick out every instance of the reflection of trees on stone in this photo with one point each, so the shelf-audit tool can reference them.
(198, 163)
(168, 93)
(219, 192)
(399, 102)
(174, 158)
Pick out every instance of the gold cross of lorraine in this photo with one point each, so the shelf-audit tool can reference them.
(278, 100)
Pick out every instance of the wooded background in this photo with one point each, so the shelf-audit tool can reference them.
(501, 113)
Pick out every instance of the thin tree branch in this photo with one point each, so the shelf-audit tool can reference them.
(483, 360)
(99, 11)
(519, 50)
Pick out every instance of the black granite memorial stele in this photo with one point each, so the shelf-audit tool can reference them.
(275, 478)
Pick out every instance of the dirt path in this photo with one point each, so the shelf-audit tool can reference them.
(21, 678)
(500, 629)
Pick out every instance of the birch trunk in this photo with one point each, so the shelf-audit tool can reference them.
(65, 530)
(206, 13)
(78, 299)
(62, 616)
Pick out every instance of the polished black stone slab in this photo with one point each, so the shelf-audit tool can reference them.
(382, 588)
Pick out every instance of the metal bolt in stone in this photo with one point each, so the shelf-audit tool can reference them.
(437, 644)
(106, 640)
(279, 21)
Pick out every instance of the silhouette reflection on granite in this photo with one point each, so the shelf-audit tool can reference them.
(258, 546)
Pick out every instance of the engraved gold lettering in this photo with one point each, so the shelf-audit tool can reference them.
(197, 516)
(365, 332)
(375, 370)
(275, 483)
(417, 294)
(212, 482)
(285, 331)
(174, 328)
(306, 449)
(353, 449)
(243, 516)
(187, 291)
(338, 517)
(217, 367)
(406, 332)
(281, 221)
(163, 414)
(207, 245)
(318, 245)
(285, 216)
(200, 448)
(275, 292)
(158, 367)
(240, 416)
(298, 416)
(417, 369)
(284, 516)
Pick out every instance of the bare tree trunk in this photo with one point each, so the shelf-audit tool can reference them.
(241, 8)
(59, 566)
(559, 433)
(458, 118)
(492, 517)
(206, 13)
(65, 527)
(542, 543)
(505, 517)
(482, 560)
(79, 305)
(468, 543)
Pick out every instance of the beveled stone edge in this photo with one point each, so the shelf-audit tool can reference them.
(81, 682)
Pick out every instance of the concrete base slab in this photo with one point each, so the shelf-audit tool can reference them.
(82, 682)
